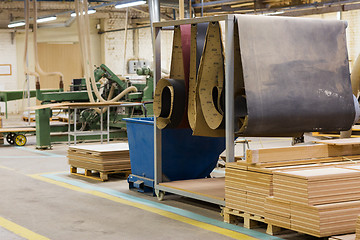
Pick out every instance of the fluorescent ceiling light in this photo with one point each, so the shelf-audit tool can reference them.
(46, 19)
(16, 24)
(130, 4)
(273, 13)
(90, 11)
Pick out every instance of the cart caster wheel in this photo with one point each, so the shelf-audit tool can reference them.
(20, 140)
(160, 195)
(10, 138)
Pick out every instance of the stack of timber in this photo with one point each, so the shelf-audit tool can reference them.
(103, 158)
(324, 201)
(235, 187)
(277, 212)
(315, 186)
(312, 189)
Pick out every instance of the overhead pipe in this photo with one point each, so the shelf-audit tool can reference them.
(38, 68)
(81, 8)
(27, 23)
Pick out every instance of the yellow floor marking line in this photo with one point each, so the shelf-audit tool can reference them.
(7, 168)
(206, 226)
(20, 231)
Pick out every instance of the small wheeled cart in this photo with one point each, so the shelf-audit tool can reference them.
(16, 136)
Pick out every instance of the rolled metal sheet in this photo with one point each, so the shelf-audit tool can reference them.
(296, 75)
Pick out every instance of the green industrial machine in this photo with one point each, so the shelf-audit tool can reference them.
(108, 84)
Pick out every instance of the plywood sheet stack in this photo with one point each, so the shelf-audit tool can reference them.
(100, 157)
(277, 212)
(258, 187)
(310, 189)
(326, 219)
(235, 186)
(316, 186)
(324, 201)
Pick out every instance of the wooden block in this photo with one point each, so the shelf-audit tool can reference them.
(286, 153)
(340, 142)
(272, 230)
(249, 222)
(87, 172)
(301, 154)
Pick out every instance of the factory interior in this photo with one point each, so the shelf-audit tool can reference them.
(180, 119)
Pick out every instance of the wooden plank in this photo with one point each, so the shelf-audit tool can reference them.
(301, 154)
(210, 187)
(286, 153)
(112, 148)
(73, 105)
(8, 130)
(340, 142)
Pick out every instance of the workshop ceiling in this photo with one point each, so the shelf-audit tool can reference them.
(14, 10)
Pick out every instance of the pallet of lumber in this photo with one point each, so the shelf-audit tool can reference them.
(100, 157)
(235, 187)
(277, 212)
(316, 186)
(326, 219)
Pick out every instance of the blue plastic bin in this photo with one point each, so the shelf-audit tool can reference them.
(184, 156)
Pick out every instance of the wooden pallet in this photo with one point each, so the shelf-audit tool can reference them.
(26, 119)
(63, 119)
(32, 119)
(250, 220)
(104, 175)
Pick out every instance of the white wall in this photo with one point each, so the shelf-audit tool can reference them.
(114, 46)
(8, 56)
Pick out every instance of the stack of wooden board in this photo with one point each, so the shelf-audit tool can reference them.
(258, 187)
(314, 189)
(316, 186)
(235, 186)
(100, 157)
(326, 219)
(277, 212)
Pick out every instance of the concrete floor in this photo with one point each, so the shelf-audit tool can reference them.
(35, 197)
